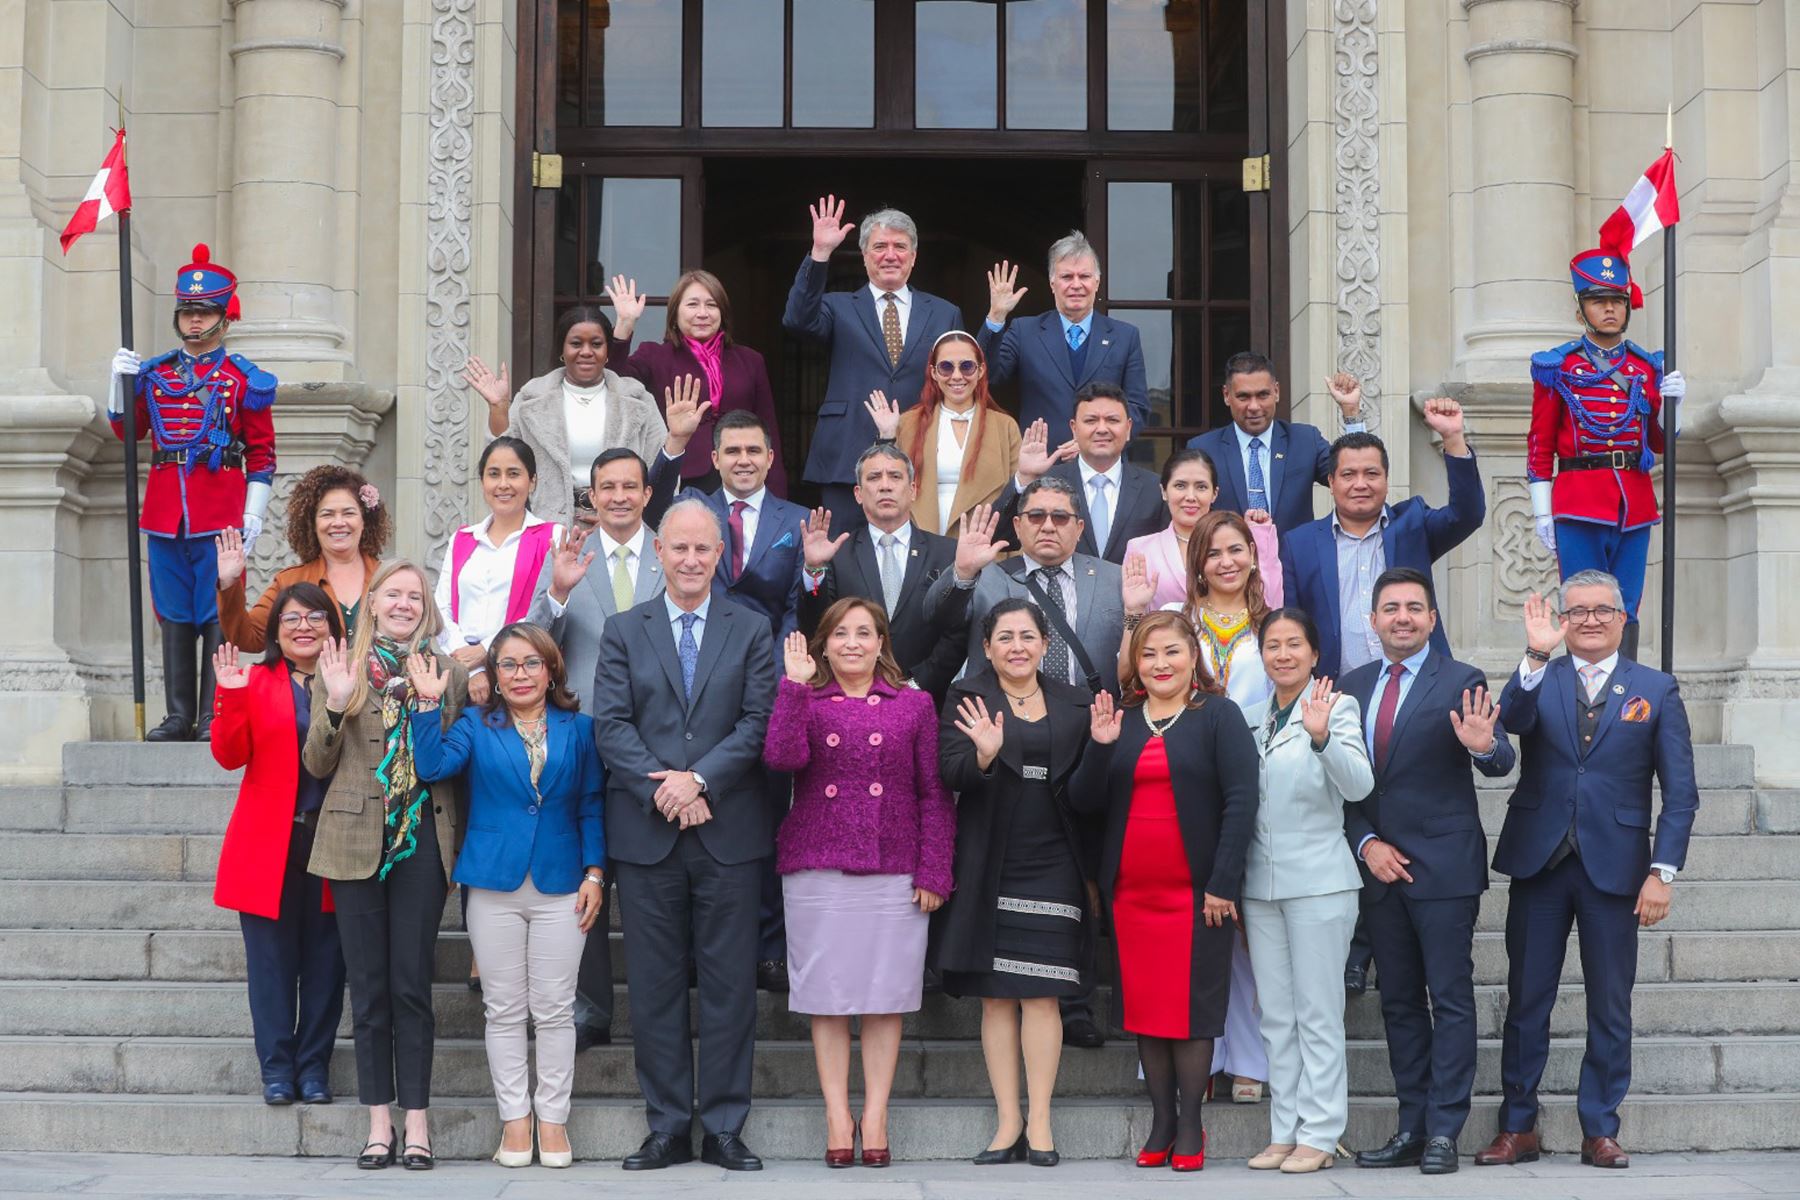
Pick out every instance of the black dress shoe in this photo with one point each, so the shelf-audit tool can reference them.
(772, 975)
(314, 1091)
(278, 1094)
(1402, 1150)
(1438, 1158)
(1005, 1154)
(587, 1036)
(1082, 1032)
(658, 1151)
(1356, 979)
(728, 1150)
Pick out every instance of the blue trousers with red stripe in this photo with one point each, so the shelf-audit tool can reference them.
(1621, 553)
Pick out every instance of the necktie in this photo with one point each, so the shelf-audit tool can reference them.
(622, 590)
(1592, 676)
(1100, 512)
(1056, 658)
(689, 652)
(890, 329)
(1384, 715)
(1077, 335)
(737, 537)
(891, 574)
(1259, 494)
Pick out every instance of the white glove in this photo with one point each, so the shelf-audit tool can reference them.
(1546, 532)
(1674, 387)
(252, 531)
(1540, 512)
(256, 502)
(125, 364)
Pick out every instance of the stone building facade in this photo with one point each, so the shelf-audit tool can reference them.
(357, 163)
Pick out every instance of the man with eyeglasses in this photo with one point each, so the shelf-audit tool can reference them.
(1578, 842)
(1059, 352)
(1079, 594)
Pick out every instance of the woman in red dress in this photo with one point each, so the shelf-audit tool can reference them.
(1179, 814)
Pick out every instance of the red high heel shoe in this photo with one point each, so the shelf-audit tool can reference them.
(1189, 1162)
(874, 1158)
(1155, 1158)
(838, 1159)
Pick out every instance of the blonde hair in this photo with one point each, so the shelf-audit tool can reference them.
(430, 625)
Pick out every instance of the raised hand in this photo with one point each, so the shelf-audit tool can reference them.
(975, 544)
(817, 546)
(337, 673)
(1346, 393)
(1474, 725)
(568, 565)
(1444, 417)
(495, 389)
(1002, 296)
(885, 413)
(229, 546)
(1140, 585)
(1315, 710)
(684, 409)
(797, 658)
(1258, 516)
(1544, 626)
(228, 672)
(1035, 455)
(427, 678)
(1105, 719)
(627, 303)
(985, 732)
(828, 233)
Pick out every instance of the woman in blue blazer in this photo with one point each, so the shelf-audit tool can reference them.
(534, 840)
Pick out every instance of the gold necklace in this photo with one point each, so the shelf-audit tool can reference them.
(1158, 728)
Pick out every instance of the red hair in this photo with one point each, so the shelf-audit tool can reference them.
(932, 396)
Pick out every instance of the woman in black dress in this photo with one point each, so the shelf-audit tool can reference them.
(1016, 932)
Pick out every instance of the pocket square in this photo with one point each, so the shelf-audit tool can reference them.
(1636, 709)
(787, 539)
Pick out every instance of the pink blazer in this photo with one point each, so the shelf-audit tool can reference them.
(1168, 562)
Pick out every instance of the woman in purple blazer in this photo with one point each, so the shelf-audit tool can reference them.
(864, 855)
(697, 342)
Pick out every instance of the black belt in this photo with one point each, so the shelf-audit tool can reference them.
(233, 457)
(1612, 460)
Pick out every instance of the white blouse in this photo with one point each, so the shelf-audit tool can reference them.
(483, 586)
(584, 412)
(950, 461)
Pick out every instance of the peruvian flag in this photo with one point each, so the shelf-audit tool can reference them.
(1650, 206)
(110, 193)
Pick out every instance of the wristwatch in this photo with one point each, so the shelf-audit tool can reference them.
(1664, 874)
(699, 779)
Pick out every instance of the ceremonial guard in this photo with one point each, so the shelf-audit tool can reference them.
(213, 438)
(1596, 429)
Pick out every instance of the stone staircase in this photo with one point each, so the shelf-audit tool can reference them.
(124, 1027)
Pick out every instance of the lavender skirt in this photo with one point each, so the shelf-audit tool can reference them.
(855, 943)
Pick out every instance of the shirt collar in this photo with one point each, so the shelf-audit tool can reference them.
(634, 543)
(1115, 474)
(754, 499)
(902, 536)
(1607, 665)
(1086, 324)
(207, 359)
(1244, 436)
(1381, 523)
(902, 295)
(480, 528)
(676, 611)
(1032, 564)
(877, 687)
(1412, 662)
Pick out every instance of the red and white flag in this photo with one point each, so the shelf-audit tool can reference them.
(1651, 206)
(110, 193)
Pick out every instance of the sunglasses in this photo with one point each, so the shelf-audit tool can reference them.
(966, 366)
(1043, 516)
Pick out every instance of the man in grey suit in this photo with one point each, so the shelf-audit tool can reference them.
(689, 681)
(1082, 593)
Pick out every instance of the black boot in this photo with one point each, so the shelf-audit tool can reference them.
(178, 684)
(210, 637)
(1629, 647)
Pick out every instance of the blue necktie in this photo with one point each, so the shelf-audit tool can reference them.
(1259, 497)
(1076, 334)
(689, 651)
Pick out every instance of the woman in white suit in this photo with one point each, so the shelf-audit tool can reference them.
(1190, 484)
(1300, 891)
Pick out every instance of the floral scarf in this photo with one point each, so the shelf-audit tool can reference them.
(400, 786)
(709, 354)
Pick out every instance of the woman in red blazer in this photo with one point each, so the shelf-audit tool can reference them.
(697, 342)
(294, 966)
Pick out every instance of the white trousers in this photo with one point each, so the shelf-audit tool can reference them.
(1298, 948)
(529, 947)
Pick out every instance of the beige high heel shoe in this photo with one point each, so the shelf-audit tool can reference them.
(554, 1159)
(1272, 1158)
(1305, 1160)
(512, 1158)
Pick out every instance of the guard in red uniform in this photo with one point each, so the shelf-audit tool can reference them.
(1596, 428)
(207, 415)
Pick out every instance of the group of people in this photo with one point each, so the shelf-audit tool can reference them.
(1002, 693)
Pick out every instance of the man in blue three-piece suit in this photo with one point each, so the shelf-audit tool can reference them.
(1426, 720)
(1059, 352)
(1262, 461)
(879, 336)
(1594, 730)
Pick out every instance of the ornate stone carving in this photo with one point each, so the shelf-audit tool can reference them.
(1521, 564)
(1356, 145)
(450, 183)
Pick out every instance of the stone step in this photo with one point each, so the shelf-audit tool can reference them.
(217, 955)
(786, 1070)
(468, 1127)
(146, 1008)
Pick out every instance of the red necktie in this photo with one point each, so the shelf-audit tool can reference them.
(1384, 716)
(737, 537)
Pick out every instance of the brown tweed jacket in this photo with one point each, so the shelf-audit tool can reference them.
(347, 842)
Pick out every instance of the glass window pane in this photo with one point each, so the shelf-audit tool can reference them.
(1046, 64)
(1228, 271)
(568, 232)
(834, 64)
(1153, 64)
(651, 325)
(1155, 331)
(1227, 67)
(634, 53)
(1151, 453)
(957, 75)
(634, 229)
(1140, 241)
(740, 75)
(1229, 333)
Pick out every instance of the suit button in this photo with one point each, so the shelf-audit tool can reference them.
(832, 739)
(831, 791)
(688, 736)
(873, 700)
(874, 789)
(1581, 770)
(531, 810)
(439, 810)
(874, 739)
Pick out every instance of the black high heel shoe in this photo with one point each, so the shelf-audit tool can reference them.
(376, 1162)
(1006, 1154)
(1041, 1158)
(417, 1162)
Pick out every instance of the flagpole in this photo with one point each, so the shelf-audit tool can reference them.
(134, 571)
(1670, 423)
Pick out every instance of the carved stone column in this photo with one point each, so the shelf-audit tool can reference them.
(284, 220)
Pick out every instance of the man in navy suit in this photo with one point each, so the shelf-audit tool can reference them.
(880, 338)
(1331, 564)
(1594, 728)
(1426, 719)
(1116, 500)
(1057, 353)
(1267, 463)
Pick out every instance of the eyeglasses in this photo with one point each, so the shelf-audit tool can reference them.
(1602, 615)
(520, 666)
(1043, 516)
(292, 620)
(966, 366)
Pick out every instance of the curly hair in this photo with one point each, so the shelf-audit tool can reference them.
(303, 511)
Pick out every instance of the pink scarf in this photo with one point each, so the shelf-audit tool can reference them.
(709, 355)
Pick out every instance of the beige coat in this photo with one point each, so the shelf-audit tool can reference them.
(347, 843)
(982, 485)
(633, 420)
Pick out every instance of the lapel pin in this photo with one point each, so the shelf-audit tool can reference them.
(1090, 570)
(1618, 689)
(1105, 342)
(1278, 454)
